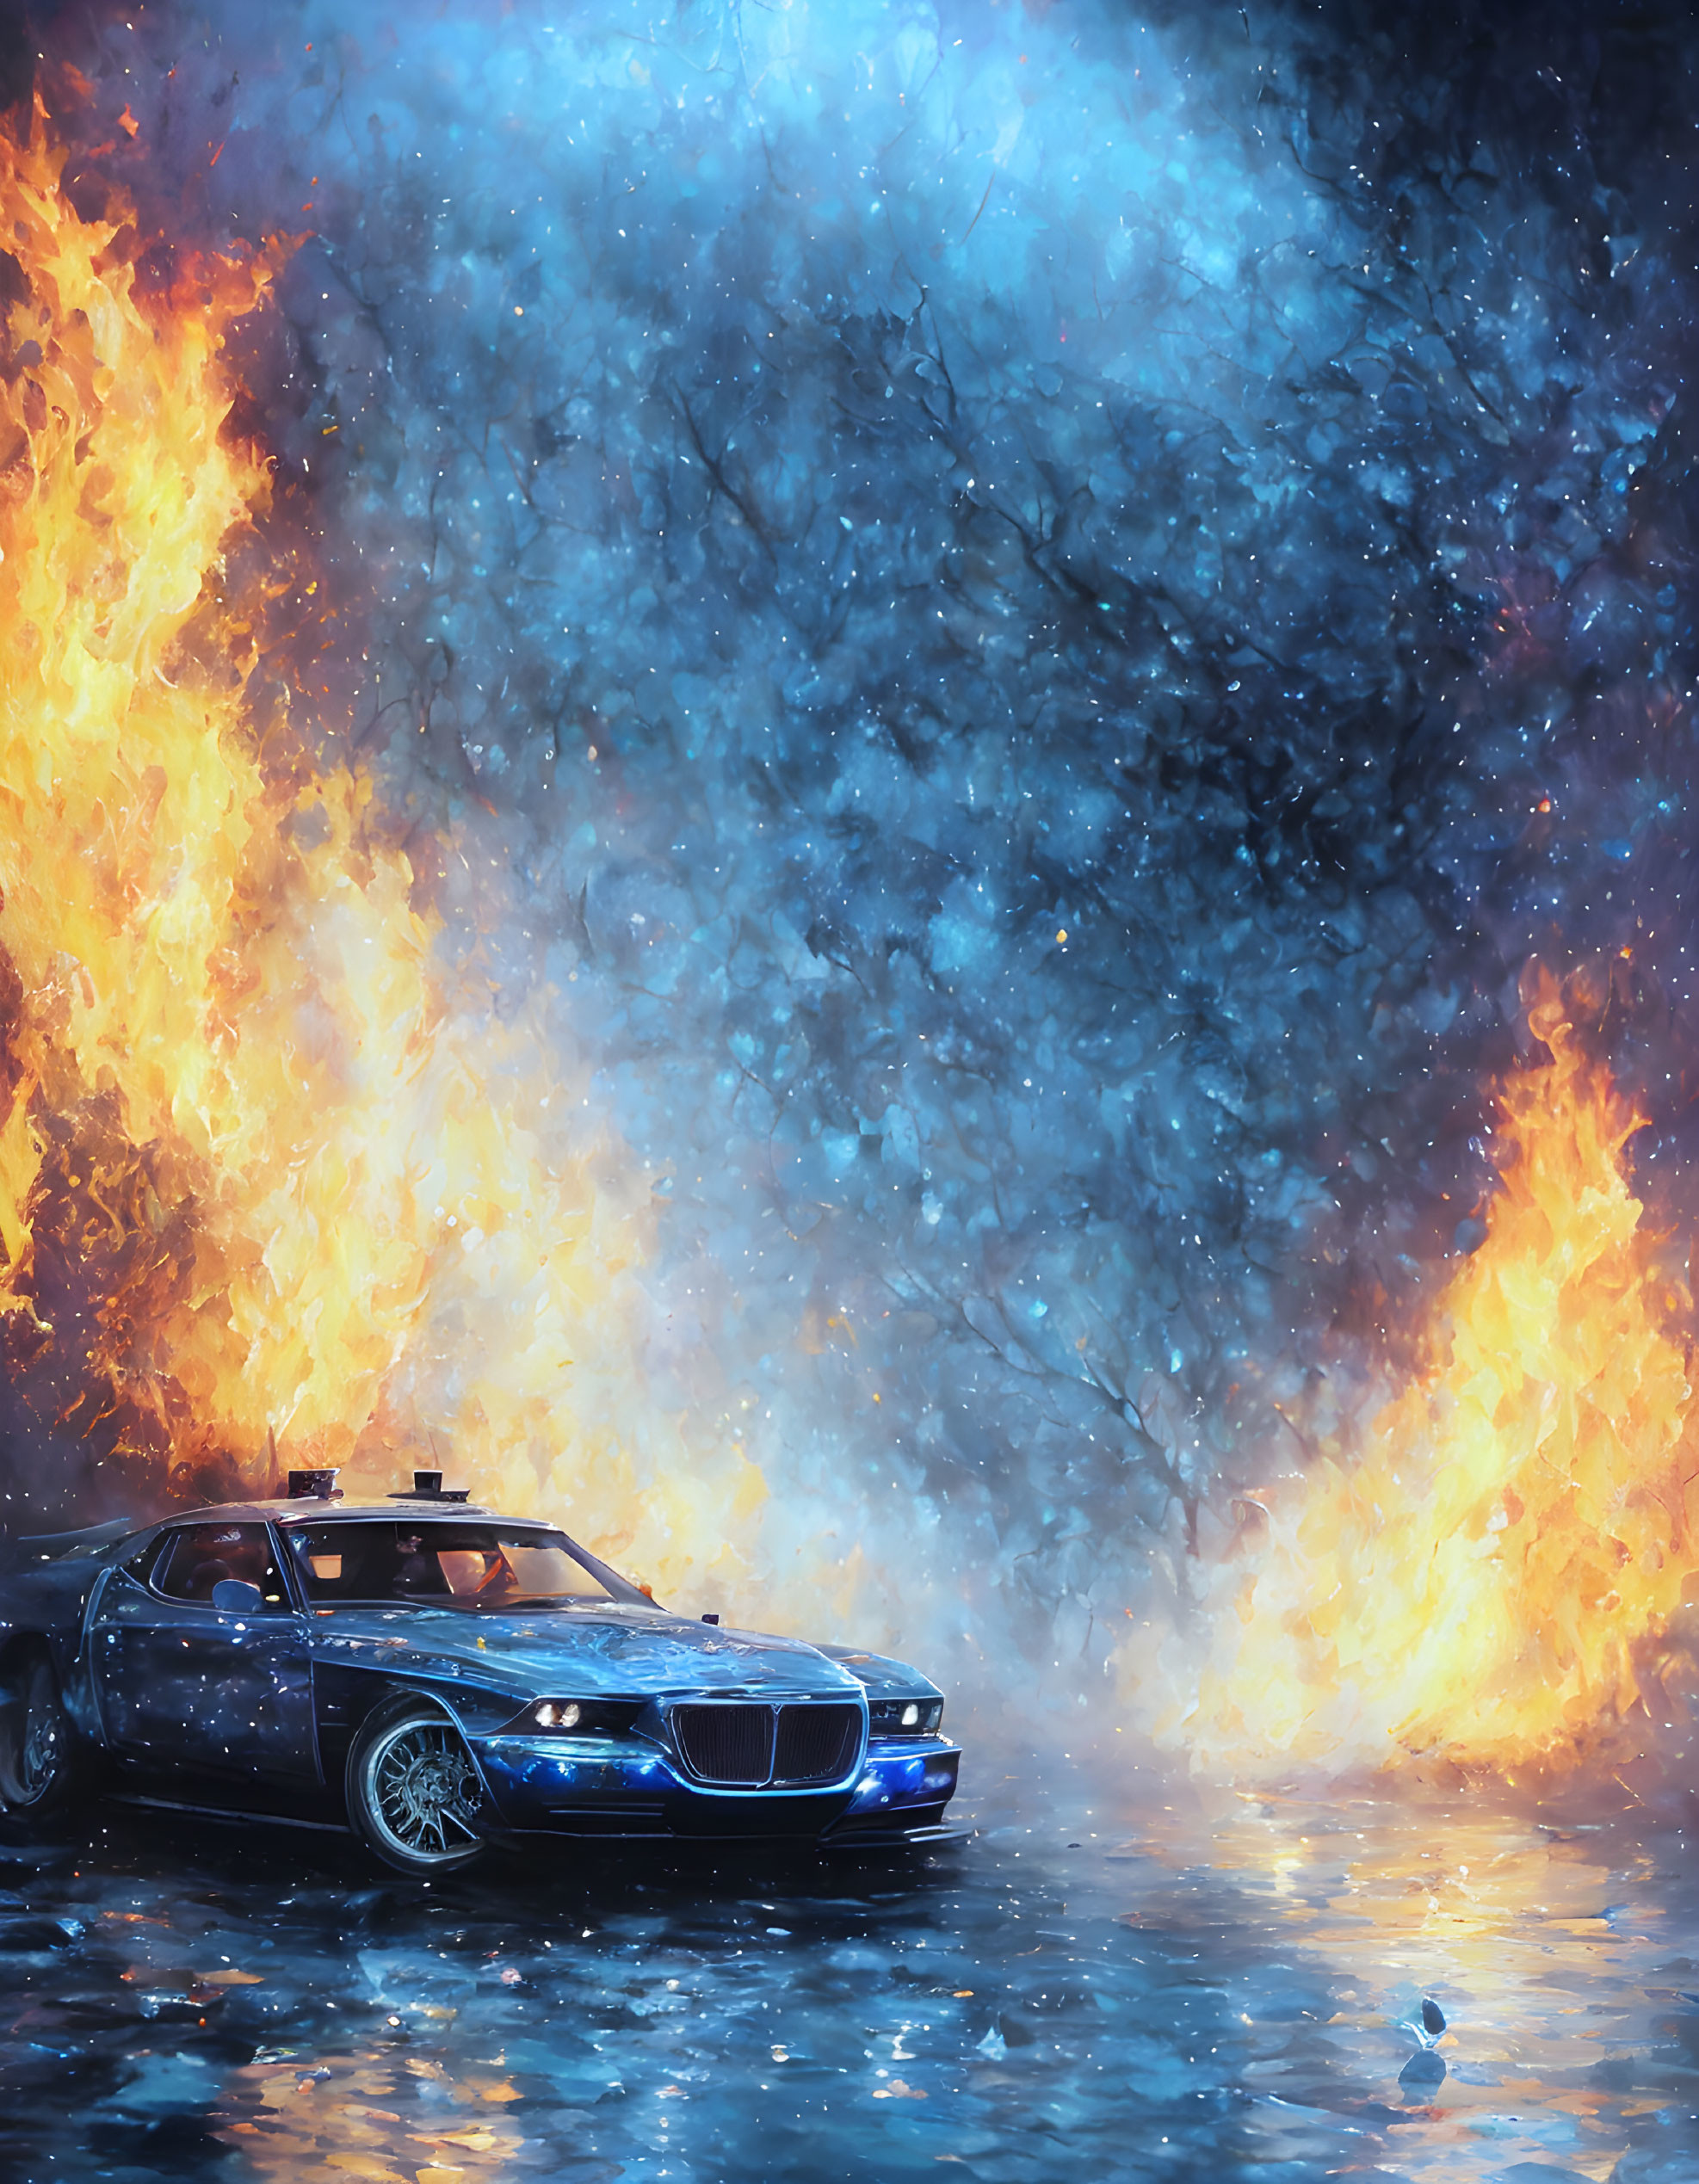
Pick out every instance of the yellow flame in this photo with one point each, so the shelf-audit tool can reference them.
(259, 1173)
(1474, 1581)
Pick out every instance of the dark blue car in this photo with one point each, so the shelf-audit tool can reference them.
(439, 1678)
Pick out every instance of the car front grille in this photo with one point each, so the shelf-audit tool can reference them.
(748, 1746)
(729, 1744)
(816, 1744)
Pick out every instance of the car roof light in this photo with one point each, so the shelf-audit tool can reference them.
(428, 1487)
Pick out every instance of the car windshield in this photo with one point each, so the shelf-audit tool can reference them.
(460, 1565)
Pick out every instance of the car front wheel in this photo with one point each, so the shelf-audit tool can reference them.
(413, 1792)
(35, 1741)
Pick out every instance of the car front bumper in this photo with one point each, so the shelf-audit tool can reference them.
(621, 1786)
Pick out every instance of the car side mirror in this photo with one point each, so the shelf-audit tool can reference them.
(235, 1596)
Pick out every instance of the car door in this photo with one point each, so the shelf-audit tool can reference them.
(185, 1684)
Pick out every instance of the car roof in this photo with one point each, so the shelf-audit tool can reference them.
(313, 1508)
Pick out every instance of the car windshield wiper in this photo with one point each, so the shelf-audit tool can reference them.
(535, 1599)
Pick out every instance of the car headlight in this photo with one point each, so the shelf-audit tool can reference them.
(905, 1716)
(576, 1717)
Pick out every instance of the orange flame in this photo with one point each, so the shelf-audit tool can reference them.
(1476, 1582)
(258, 1170)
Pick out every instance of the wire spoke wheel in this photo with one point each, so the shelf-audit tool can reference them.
(425, 1790)
(414, 1793)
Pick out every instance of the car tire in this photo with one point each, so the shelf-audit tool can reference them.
(38, 1745)
(413, 1793)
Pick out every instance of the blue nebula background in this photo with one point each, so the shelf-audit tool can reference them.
(1045, 604)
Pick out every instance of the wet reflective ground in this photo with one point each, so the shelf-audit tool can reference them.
(1063, 1995)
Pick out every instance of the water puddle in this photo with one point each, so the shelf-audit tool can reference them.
(1062, 1995)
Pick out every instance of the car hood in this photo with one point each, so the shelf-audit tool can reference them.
(881, 1677)
(614, 1651)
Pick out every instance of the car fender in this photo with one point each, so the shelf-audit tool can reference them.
(347, 1693)
(54, 1615)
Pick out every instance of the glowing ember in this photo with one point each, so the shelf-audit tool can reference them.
(259, 1174)
(1474, 1582)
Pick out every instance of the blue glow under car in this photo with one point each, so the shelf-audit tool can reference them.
(442, 1679)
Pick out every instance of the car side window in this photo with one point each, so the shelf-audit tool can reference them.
(200, 1556)
(140, 1566)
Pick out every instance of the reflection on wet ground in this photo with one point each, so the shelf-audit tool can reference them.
(1061, 1995)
